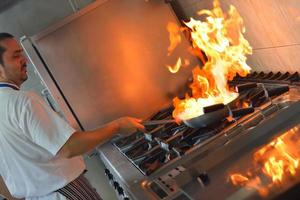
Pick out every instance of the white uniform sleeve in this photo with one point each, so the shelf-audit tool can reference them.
(44, 126)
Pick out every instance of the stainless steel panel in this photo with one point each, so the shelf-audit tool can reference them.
(110, 59)
(123, 172)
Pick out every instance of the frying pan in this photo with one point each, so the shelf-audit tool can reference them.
(218, 112)
(211, 115)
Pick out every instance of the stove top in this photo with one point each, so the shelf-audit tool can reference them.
(166, 149)
(160, 144)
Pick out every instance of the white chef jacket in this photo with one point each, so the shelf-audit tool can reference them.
(30, 136)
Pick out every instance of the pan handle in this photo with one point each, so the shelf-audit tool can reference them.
(242, 111)
(213, 108)
(245, 86)
(277, 90)
(158, 122)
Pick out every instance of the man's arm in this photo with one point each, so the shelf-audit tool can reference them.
(82, 142)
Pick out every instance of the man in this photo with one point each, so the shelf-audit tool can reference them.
(40, 152)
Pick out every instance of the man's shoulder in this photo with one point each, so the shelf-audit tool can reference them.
(26, 97)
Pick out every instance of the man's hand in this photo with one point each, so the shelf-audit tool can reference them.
(128, 125)
(82, 142)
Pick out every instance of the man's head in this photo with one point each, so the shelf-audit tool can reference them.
(13, 63)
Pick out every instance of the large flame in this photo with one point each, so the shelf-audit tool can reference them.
(277, 160)
(221, 38)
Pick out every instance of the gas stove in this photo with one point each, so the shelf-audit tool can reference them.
(173, 161)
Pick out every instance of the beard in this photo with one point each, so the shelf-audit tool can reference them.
(15, 76)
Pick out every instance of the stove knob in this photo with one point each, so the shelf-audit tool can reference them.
(116, 184)
(120, 190)
(203, 179)
(106, 171)
(110, 176)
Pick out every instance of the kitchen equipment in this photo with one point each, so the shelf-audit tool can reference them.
(212, 114)
(173, 161)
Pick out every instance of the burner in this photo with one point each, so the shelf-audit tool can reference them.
(128, 141)
(157, 159)
(163, 132)
(139, 149)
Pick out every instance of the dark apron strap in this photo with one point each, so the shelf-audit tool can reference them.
(79, 189)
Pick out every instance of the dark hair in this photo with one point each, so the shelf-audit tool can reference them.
(3, 36)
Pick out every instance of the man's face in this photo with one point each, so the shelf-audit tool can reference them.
(13, 69)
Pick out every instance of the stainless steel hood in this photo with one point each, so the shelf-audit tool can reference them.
(109, 60)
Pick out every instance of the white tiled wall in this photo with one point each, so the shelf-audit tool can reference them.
(272, 28)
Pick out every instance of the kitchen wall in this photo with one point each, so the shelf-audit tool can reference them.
(272, 28)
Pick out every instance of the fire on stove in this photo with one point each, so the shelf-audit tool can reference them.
(221, 39)
(174, 160)
(225, 48)
(276, 163)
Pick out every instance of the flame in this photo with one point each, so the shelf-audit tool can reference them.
(197, 52)
(277, 160)
(221, 38)
(238, 179)
(255, 183)
(245, 104)
(176, 67)
(174, 36)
